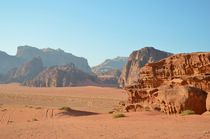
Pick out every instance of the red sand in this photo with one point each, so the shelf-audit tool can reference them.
(42, 119)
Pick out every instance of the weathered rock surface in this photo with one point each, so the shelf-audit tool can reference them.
(50, 57)
(136, 61)
(110, 64)
(26, 71)
(109, 71)
(110, 77)
(62, 76)
(174, 84)
(8, 62)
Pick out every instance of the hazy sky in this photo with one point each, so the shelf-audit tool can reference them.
(101, 29)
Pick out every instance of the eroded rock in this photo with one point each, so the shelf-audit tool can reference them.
(174, 84)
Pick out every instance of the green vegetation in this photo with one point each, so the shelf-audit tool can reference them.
(118, 115)
(65, 108)
(187, 112)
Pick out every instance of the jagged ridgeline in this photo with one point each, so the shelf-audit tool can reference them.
(29, 62)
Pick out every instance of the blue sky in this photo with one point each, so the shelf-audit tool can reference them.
(101, 29)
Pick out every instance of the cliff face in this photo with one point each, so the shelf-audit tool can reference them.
(136, 61)
(26, 71)
(174, 84)
(51, 57)
(8, 62)
(62, 76)
(110, 64)
(110, 77)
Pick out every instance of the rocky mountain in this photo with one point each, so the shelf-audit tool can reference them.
(137, 60)
(109, 71)
(62, 76)
(117, 64)
(26, 71)
(8, 62)
(175, 84)
(51, 57)
(110, 77)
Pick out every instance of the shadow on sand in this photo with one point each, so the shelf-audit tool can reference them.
(76, 113)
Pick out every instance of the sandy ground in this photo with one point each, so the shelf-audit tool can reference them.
(33, 113)
(90, 98)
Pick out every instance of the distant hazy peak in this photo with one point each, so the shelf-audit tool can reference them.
(21, 50)
(110, 64)
(49, 56)
(2, 53)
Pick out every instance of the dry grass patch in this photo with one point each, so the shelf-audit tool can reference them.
(187, 112)
(118, 115)
(65, 108)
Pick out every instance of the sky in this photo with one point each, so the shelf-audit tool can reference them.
(102, 29)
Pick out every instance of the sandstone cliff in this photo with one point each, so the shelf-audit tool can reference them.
(110, 64)
(110, 77)
(26, 71)
(8, 62)
(51, 57)
(172, 85)
(62, 76)
(137, 60)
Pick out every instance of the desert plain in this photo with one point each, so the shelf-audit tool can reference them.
(36, 113)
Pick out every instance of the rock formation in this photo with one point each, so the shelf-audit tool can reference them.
(50, 57)
(110, 64)
(110, 77)
(172, 85)
(26, 71)
(62, 76)
(109, 71)
(8, 62)
(137, 60)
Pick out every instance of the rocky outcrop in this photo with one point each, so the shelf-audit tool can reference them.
(110, 64)
(51, 57)
(136, 61)
(110, 77)
(8, 62)
(26, 71)
(174, 84)
(110, 70)
(62, 76)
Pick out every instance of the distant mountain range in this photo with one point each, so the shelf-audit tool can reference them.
(49, 67)
(50, 57)
(117, 64)
(61, 76)
(109, 71)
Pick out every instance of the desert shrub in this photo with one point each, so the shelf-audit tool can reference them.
(111, 112)
(34, 119)
(38, 108)
(118, 115)
(147, 108)
(65, 108)
(187, 112)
